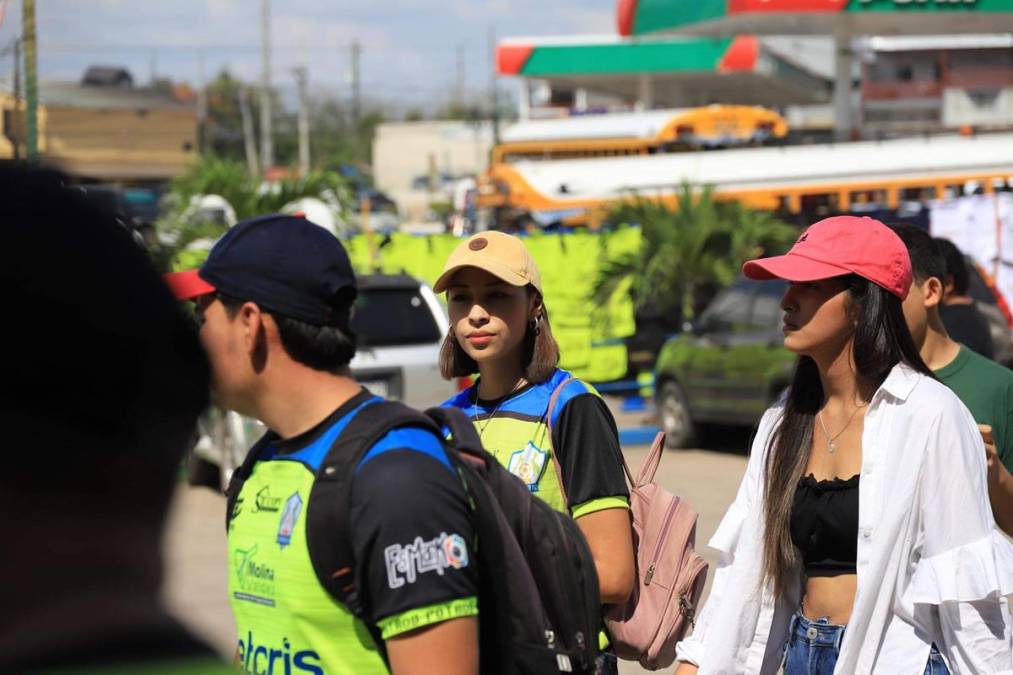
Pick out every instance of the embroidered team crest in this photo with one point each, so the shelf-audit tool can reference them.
(289, 517)
(528, 464)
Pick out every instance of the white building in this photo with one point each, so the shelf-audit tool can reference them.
(417, 162)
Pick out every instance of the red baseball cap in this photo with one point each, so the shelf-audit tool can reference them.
(187, 285)
(841, 245)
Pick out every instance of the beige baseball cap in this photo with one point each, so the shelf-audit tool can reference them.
(502, 255)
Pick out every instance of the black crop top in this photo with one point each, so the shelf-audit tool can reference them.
(824, 525)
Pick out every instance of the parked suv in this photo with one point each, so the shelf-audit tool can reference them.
(729, 367)
(400, 324)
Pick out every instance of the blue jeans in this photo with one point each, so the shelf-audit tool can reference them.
(813, 647)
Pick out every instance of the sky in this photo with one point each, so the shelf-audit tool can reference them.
(409, 47)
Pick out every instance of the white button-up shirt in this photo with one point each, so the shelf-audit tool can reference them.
(932, 567)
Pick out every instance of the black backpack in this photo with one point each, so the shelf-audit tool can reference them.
(539, 603)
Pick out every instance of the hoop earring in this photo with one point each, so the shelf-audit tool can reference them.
(537, 329)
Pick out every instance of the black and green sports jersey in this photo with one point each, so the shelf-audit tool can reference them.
(411, 534)
(584, 438)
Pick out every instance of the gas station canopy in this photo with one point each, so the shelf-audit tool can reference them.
(818, 17)
(668, 71)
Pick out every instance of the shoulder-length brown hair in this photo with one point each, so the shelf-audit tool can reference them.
(540, 353)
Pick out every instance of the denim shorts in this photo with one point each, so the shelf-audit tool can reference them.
(813, 647)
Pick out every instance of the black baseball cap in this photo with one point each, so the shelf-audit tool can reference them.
(285, 264)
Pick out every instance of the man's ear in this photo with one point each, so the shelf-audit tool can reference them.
(932, 289)
(252, 321)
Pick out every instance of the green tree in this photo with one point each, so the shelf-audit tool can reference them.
(247, 195)
(702, 243)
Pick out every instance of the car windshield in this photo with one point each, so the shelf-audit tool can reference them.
(386, 317)
(746, 305)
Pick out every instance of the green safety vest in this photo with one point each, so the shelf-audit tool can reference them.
(287, 622)
(517, 434)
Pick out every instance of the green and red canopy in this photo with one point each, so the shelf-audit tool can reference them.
(684, 71)
(728, 17)
(539, 57)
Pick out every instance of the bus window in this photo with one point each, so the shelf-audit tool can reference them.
(917, 194)
(953, 191)
(869, 200)
(820, 205)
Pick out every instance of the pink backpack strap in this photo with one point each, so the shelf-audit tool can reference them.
(550, 411)
(651, 462)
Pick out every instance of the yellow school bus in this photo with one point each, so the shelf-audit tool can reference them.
(802, 179)
(639, 133)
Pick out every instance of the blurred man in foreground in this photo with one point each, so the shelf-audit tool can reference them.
(102, 383)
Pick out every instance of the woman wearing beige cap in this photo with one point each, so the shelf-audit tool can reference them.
(499, 328)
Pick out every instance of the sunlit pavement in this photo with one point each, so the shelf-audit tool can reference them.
(196, 572)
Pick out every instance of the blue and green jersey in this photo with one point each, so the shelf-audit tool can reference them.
(411, 535)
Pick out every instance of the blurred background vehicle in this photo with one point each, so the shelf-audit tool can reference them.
(728, 368)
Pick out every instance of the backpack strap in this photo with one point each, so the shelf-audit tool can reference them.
(550, 413)
(461, 430)
(241, 474)
(651, 462)
(328, 511)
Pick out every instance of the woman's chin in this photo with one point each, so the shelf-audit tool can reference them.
(795, 345)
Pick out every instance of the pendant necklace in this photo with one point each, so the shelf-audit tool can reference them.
(831, 446)
(474, 406)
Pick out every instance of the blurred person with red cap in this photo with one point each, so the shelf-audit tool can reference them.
(861, 539)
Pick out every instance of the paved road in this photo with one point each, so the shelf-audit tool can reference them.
(196, 558)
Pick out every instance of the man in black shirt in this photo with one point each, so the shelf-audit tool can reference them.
(964, 323)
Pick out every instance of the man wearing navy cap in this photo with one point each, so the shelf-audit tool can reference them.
(275, 298)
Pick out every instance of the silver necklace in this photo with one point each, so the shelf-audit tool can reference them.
(831, 446)
(474, 407)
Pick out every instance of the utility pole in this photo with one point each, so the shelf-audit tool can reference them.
(31, 78)
(460, 76)
(249, 141)
(304, 121)
(356, 84)
(266, 132)
(202, 103)
(18, 119)
(493, 87)
(153, 68)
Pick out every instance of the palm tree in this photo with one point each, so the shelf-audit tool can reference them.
(248, 196)
(700, 244)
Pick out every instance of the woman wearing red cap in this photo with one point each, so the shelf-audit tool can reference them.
(567, 452)
(861, 539)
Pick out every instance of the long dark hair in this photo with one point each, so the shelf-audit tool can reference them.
(881, 341)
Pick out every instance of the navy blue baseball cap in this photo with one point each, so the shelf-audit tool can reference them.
(285, 264)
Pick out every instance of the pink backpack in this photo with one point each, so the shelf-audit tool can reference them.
(670, 574)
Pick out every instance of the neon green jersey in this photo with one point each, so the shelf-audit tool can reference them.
(411, 537)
